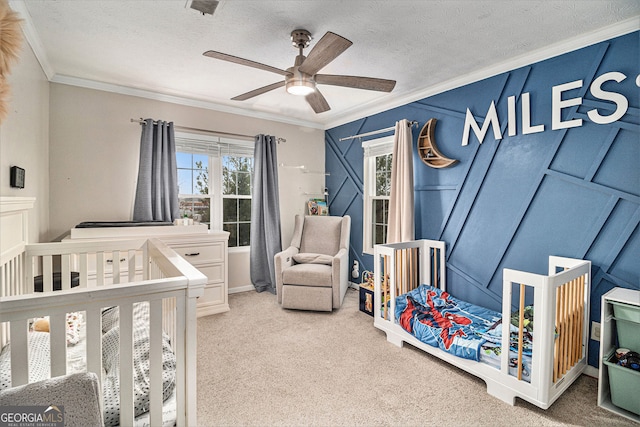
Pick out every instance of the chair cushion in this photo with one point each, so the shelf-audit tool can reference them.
(321, 235)
(308, 275)
(309, 258)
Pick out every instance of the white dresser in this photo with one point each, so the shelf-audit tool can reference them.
(204, 249)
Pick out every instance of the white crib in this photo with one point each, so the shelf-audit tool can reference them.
(154, 274)
(560, 337)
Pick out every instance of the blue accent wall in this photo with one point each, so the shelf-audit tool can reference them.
(515, 201)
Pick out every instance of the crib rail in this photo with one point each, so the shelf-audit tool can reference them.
(402, 267)
(169, 284)
(561, 327)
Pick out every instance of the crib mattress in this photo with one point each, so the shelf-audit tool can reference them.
(460, 328)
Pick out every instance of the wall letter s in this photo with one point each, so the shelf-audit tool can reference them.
(622, 104)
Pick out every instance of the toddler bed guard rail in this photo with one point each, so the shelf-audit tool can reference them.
(153, 274)
(561, 300)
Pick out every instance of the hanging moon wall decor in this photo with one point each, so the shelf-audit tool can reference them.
(427, 149)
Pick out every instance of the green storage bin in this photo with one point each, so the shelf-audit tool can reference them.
(628, 334)
(624, 384)
(626, 311)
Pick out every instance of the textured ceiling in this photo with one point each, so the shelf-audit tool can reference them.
(157, 46)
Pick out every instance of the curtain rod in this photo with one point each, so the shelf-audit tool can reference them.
(213, 132)
(375, 132)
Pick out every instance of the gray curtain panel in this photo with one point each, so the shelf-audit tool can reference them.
(265, 214)
(157, 190)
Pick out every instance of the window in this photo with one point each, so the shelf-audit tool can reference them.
(215, 180)
(377, 190)
(236, 199)
(193, 186)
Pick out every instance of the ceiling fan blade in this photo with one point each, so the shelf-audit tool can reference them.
(318, 102)
(257, 92)
(242, 61)
(328, 48)
(368, 83)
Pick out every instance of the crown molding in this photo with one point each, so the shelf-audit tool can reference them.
(31, 36)
(173, 99)
(568, 45)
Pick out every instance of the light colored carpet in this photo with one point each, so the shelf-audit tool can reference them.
(261, 365)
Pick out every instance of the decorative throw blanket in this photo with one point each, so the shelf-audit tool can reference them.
(440, 320)
(40, 357)
(141, 346)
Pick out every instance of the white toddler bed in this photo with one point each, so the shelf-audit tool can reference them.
(138, 328)
(410, 294)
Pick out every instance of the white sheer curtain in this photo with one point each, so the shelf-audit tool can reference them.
(401, 224)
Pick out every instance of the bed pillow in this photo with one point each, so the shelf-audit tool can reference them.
(309, 258)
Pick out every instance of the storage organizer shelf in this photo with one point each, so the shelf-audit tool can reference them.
(618, 386)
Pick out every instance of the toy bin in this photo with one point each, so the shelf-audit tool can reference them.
(624, 384)
(626, 311)
(628, 334)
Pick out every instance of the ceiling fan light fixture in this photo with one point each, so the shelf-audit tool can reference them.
(300, 87)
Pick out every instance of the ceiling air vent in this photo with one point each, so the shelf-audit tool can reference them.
(206, 7)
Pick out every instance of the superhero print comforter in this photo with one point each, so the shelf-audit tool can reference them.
(455, 326)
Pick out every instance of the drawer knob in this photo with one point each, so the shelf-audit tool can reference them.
(192, 254)
(110, 261)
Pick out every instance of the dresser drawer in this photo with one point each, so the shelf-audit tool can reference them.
(215, 273)
(200, 253)
(213, 295)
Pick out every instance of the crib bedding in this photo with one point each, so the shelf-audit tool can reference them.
(39, 366)
(461, 328)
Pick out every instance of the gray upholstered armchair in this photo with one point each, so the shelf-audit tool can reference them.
(313, 273)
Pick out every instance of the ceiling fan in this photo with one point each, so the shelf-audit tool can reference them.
(302, 78)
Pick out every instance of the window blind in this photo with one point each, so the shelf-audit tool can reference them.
(378, 147)
(213, 146)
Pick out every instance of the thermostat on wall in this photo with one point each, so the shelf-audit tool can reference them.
(17, 177)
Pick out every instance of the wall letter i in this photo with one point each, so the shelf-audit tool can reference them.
(512, 125)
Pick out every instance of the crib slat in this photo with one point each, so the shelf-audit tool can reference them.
(581, 283)
(29, 274)
(115, 264)
(20, 276)
(66, 271)
(520, 330)
(84, 270)
(58, 340)
(47, 273)
(93, 325)
(556, 342)
(565, 332)
(180, 358)
(574, 323)
(126, 364)
(155, 362)
(132, 266)
(100, 268)
(434, 267)
(19, 353)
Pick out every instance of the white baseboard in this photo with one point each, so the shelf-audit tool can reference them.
(592, 371)
(239, 289)
(247, 288)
